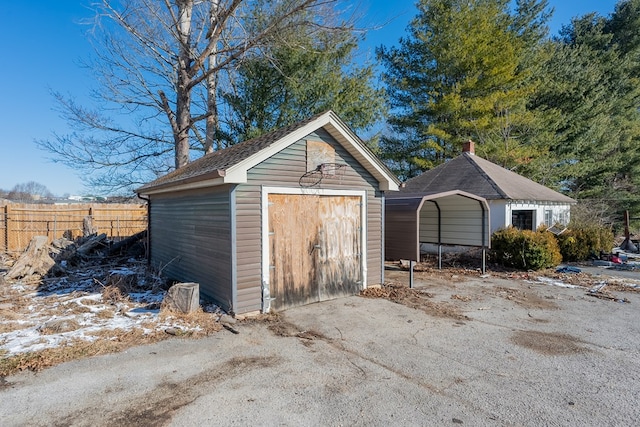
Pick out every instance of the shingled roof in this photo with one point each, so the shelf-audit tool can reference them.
(478, 176)
(230, 165)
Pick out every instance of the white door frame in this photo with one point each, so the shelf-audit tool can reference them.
(266, 294)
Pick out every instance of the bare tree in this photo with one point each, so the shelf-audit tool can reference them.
(159, 65)
(29, 192)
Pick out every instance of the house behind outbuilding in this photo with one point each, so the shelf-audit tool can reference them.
(513, 199)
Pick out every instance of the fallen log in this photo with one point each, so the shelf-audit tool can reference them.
(125, 244)
(34, 261)
(91, 244)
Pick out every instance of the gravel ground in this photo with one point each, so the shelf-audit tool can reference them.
(503, 352)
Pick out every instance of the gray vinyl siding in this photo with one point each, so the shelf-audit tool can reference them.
(401, 240)
(285, 169)
(191, 240)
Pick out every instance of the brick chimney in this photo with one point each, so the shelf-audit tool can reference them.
(469, 147)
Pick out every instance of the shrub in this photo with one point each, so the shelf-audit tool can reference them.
(578, 243)
(525, 249)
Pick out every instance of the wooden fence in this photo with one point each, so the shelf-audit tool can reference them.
(20, 222)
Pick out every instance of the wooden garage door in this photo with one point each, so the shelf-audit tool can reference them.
(315, 248)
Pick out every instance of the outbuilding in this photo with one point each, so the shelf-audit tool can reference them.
(451, 218)
(289, 218)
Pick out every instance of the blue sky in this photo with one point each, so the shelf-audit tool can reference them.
(43, 44)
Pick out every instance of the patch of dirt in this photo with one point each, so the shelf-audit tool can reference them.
(525, 298)
(157, 407)
(463, 298)
(549, 344)
(279, 326)
(415, 298)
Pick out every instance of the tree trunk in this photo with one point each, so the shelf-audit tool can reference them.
(212, 83)
(183, 89)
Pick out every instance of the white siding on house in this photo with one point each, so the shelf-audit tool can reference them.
(498, 211)
(501, 211)
(559, 212)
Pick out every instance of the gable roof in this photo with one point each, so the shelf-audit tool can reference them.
(230, 165)
(478, 176)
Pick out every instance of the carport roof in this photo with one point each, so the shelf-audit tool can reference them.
(476, 175)
(418, 199)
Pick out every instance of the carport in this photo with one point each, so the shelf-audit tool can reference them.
(452, 218)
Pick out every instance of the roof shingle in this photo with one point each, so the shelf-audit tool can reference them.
(478, 176)
(216, 163)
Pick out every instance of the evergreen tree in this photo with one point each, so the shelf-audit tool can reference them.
(465, 71)
(298, 76)
(591, 97)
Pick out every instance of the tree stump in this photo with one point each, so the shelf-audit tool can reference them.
(88, 227)
(183, 297)
(34, 261)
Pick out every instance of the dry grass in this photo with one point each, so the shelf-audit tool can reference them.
(113, 295)
(9, 314)
(76, 309)
(90, 301)
(193, 325)
(11, 326)
(619, 286)
(200, 323)
(107, 313)
(279, 326)
(59, 326)
(197, 324)
(77, 349)
(75, 298)
(126, 283)
(463, 298)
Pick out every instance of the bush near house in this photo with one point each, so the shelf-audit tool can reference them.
(525, 249)
(578, 243)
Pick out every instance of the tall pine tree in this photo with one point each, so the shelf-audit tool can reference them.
(591, 96)
(465, 71)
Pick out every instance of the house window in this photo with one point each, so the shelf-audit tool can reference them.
(548, 218)
(564, 218)
(522, 220)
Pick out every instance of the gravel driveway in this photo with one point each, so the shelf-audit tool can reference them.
(516, 353)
